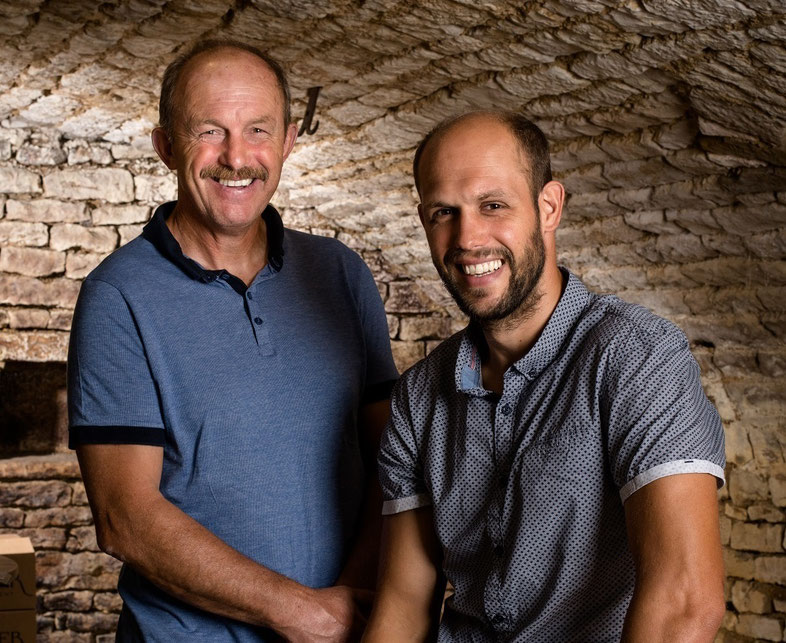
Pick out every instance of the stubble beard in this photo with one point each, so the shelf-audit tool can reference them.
(519, 301)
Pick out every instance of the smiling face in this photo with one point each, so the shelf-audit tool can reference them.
(229, 141)
(480, 220)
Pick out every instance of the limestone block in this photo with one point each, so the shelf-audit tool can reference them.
(767, 245)
(393, 325)
(678, 135)
(70, 601)
(51, 493)
(36, 467)
(766, 513)
(80, 151)
(80, 264)
(51, 154)
(129, 233)
(84, 570)
(20, 318)
(82, 539)
(758, 398)
(406, 354)
(768, 441)
(50, 538)
(737, 513)
(725, 530)
(15, 180)
(694, 162)
(155, 189)
(95, 622)
(747, 487)
(405, 297)
(96, 239)
(60, 319)
(651, 221)
(5, 149)
(49, 110)
(46, 211)
(772, 363)
(11, 517)
(58, 517)
(759, 627)
(771, 569)
(739, 564)
(107, 602)
(120, 214)
(21, 233)
(757, 537)
(631, 198)
(584, 179)
(32, 262)
(114, 185)
(641, 173)
(429, 327)
(777, 485)
(748, 597)
(33, 346)
(590, 205)
(682, 248)
(745, 220)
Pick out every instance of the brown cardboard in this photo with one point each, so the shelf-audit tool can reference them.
(17, 626)
(17, 575)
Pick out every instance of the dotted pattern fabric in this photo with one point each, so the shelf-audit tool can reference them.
(528, 487)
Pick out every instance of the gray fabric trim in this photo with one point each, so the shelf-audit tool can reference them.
(669, 469)
(405, 504)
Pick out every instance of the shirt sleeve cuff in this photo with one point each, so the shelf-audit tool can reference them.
(405, 504)
(670, 469)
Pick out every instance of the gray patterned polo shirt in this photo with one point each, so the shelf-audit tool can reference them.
(528, 487)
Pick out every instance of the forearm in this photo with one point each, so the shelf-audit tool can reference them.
(663, 615)
(186, 560)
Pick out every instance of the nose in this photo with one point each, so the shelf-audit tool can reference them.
(234, 152)
(469, 231)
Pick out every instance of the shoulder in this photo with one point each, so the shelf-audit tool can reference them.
(617, 323)
(434, 372)
(299, 242)
(126, 265)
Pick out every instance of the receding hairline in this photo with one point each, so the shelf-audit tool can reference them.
(435, 136)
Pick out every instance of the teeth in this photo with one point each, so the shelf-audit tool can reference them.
(482, 268)
(235, 184)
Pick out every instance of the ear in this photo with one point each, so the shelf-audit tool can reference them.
(289, 140)
(550, 202)
(163, 147)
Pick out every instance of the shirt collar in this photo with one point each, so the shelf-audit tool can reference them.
(570, 306)
(157, 232)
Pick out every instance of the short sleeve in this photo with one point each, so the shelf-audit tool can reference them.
(112, 397)
(400, 473)
(381, 373)
(659, 420)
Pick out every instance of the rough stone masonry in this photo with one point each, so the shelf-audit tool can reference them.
(668, 122)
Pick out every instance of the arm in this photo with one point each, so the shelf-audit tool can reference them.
(136, 524)
(674, 537)
(411, 585)
(361, 568)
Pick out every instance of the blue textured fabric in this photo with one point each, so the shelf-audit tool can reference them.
(527, 488)
(254, 395)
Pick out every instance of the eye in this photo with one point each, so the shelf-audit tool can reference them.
(493, 206)
(441, 213)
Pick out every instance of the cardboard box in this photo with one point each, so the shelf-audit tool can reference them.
(17, 626)
(17, 575)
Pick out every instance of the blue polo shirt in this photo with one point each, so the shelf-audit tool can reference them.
(253, 393)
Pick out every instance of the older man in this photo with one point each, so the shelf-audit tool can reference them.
(222, 399)
(558, 459)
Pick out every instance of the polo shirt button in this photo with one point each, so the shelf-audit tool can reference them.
(225, 276)
(497, 619)
(249, 295)
(499, 551)
(258, 321)
(506, 409)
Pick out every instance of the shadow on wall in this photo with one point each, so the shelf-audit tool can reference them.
(33, 411)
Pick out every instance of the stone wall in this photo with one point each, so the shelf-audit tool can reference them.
(667, 121)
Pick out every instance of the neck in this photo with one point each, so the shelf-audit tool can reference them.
(509, 339)
(241, 252)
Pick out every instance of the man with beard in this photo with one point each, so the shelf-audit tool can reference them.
(557, 460)
(222, 401)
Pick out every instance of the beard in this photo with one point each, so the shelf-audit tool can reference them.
(520, 299)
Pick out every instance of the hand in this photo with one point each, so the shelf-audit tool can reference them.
(331, 615)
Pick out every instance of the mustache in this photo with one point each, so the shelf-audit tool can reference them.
(455, 254)
(219, 172)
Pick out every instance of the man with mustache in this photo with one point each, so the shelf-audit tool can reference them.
(225, 405)
(557, 460)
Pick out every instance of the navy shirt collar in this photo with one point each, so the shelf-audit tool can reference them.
(157, 232)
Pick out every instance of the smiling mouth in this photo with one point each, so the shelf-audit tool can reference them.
(239, 183)
(481, 269)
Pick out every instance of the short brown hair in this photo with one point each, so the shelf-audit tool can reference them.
(531, 140)
(166, 104)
